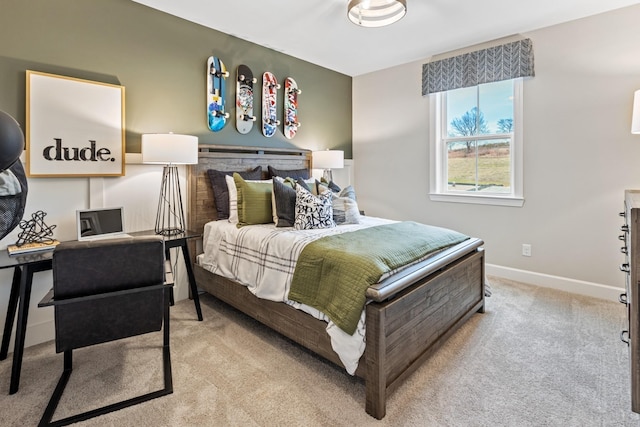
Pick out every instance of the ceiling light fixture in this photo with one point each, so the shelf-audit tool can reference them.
(376, 13)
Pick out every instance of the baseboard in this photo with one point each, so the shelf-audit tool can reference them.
(596, 290)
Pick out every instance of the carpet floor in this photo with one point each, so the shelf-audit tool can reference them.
(537, 357)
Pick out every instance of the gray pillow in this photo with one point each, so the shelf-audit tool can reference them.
(322, 185)
(221, 191)
(292, 173)
(345, 207)
(285, 201)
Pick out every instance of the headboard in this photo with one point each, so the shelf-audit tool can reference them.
(201, 207)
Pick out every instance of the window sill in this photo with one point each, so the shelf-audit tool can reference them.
(478, 199)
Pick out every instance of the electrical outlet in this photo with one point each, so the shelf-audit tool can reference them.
(526, 249)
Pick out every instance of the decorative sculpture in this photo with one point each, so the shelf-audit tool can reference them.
(35, 230)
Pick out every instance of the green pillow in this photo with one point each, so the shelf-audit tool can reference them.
(254, 201)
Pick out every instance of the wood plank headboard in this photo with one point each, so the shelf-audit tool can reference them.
(201, 206)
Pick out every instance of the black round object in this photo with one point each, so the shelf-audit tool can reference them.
(12, 206)
(11, 140)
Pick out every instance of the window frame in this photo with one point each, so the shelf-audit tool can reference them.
(438, 156)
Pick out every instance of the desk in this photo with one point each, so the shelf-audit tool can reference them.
(24, 266)
(27, 264)
(180, 241)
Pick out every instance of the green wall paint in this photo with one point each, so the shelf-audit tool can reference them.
(161, 61)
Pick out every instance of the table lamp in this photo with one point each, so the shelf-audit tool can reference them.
(171, 150)
(327, 160)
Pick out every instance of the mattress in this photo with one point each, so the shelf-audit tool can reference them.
(263, 258)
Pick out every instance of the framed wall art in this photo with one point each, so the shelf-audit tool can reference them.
(74, 127)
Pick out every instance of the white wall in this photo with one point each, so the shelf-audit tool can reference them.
(579, 156)
(137, 192)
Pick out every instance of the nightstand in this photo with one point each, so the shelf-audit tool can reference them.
(180, 241)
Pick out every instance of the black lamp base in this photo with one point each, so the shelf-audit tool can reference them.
(170, 217)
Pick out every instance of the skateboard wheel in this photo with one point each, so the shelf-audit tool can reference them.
(242, 78)
(226, 115)
(299, 91)
(278, 86)
(277, 122)
(254, 80)
(253, 118)
(298, 125)
(225, 74)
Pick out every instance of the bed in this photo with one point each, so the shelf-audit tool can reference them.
(409, 315)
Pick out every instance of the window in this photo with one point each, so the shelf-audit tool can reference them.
(476, 144)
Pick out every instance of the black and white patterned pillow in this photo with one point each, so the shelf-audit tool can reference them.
(313, 211)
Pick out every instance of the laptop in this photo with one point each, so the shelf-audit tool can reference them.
(104, 223)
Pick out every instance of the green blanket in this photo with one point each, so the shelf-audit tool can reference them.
(333, 273)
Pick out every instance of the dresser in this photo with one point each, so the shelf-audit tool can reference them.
(631, 296)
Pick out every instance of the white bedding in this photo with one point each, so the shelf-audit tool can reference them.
(263, 258)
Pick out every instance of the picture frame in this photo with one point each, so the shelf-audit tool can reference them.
(74, 127)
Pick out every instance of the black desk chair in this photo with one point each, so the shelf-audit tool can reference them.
(103, 291)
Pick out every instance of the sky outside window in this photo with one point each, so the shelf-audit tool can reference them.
(495, 103)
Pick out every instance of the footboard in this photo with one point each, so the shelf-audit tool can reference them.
(402, 332)
(406, 330)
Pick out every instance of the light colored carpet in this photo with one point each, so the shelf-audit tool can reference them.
(537, 357)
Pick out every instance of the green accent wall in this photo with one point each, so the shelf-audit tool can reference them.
(161, 61)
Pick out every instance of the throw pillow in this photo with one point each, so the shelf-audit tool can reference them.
(284, 202)
(233, 197)
(292, 173)
(254, 201)
(309, 185)
(345, 207)
(323, 186)
(221, 190)
(313, 211)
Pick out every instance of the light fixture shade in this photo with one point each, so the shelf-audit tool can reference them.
(376, 13)
(169, 148)
(328, 159)
(635, 118)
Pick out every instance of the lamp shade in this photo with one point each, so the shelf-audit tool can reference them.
(328, 159)
(635, 118)
(376, 13)
(169, 148)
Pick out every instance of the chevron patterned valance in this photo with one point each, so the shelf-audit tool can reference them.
(507, 61)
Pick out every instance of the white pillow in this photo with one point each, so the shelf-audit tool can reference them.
(233, 199)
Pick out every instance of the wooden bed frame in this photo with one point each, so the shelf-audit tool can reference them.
(407, 319)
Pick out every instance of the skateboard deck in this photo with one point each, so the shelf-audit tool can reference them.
(270, 88)
(244, 99)
(216, 91)
(291, 93)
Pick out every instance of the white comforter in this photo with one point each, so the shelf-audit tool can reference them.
(263, 258)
